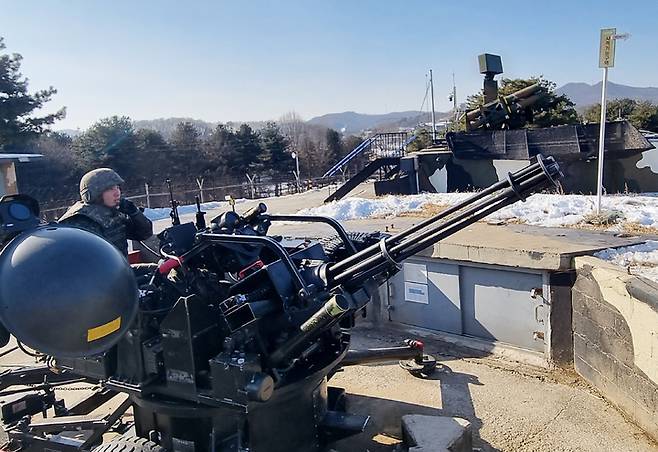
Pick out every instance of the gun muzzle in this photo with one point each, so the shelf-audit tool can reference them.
(331, 311)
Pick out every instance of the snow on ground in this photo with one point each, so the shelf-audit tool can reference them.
(540, 209)
(163, 212)
(642, 259)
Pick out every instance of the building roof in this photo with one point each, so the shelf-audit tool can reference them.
(19, 157)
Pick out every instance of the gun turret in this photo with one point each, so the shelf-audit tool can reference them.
(236, 332)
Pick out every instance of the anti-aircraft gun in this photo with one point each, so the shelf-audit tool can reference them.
(229, 343)
(501, 112)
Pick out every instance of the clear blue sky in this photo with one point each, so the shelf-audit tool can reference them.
(255, 60)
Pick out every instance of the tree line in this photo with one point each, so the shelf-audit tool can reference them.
(224, 155)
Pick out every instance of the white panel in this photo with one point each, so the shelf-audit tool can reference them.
(439, 180)
(415, 273)
(3, 190)
(649, 160)
(503, 167)
(447, 285)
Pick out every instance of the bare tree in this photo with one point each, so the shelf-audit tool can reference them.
(292, 126)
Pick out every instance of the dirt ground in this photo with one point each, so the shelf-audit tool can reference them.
(511, 407)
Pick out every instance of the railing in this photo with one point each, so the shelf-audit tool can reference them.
(391, 144)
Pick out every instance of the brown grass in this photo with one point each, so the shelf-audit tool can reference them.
(428, 210)
(639, 229)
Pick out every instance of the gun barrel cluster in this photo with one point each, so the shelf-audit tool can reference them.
(377, 258)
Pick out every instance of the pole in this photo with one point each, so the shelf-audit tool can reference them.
(199, 182)
(454, 100)
(295, 155)
(599, 183)
(148, 197)
(433, 119)
(299, 182)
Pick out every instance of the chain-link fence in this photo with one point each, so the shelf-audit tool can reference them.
(157, 195)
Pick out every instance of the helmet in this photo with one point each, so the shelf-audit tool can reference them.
(66, 292)
(95, 182)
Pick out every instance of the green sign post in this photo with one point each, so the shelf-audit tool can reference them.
(606, 60)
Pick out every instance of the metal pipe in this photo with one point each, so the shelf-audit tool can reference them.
(378, 263)
(514, 97)
(509, 194)
(376, 355)
(398, 246)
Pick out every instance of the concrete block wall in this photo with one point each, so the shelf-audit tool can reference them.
(615, 338)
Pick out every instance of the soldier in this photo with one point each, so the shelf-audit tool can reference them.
(103, 212)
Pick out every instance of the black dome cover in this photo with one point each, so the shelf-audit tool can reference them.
(66, 292)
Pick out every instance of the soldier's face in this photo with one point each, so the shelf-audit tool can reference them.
(112, 196)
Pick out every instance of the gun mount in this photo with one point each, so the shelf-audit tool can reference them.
(232, 340)
(501, 112)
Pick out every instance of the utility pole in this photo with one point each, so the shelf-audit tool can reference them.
(433, 118)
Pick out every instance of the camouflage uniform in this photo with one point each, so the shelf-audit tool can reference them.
(116, 225)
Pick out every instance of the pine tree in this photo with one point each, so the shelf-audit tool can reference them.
(248, 149)
(275, 159)
(109, 142)
(185, 144)
(334, 145)
(17, 125)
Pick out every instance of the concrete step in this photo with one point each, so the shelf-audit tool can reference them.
(424, 433)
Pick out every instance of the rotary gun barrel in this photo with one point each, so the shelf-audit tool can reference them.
(505, 109)
(353, 280)
(380, 259)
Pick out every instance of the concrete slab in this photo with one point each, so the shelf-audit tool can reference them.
(436, 433)
(513, 245)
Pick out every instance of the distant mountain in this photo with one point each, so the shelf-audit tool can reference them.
(584, 95)
(166, 126)
(348, 122)
(352, 122)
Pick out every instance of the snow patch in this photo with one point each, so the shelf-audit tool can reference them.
(640, 259)
(549, 210)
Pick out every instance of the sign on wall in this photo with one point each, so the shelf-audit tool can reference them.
(415, 283)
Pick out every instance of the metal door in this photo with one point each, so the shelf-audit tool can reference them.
(498, 305)
(426, 294)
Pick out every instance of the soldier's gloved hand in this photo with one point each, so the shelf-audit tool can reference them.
(128, 207)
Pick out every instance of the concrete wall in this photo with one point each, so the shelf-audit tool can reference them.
(615, 335)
